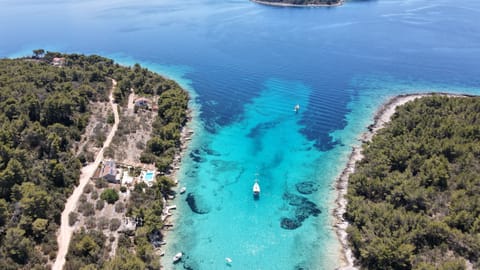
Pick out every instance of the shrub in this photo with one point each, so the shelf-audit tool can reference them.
(100, 204)
(102, 223)
(109, 152)
(114, 224)
(90, 223)
(140, 145)
(82, 158)
(119, 207)
(90, 157)
(83, 198)
(99, 139)
(123, 189)
(72, 218)
(111, 118)
(109, 195)
(100, 183)
(88, 188)
(94, 195)
(124, 241)
(52, 255)
(86, 209)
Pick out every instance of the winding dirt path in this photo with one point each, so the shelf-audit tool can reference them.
(66, 231)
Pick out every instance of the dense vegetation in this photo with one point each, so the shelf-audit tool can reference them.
(414, 200)
(172, 116)
(303, 2)
(43, 111)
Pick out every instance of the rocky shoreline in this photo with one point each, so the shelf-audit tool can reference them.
(185, 138)
(382, 116)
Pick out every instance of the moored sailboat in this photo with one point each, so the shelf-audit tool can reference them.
(256, 189)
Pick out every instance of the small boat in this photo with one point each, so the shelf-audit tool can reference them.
(182, 190)
(177, 257)
(296, 108)
(228, 260)
(256, 189)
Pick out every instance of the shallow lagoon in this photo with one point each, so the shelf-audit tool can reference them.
(246, 66)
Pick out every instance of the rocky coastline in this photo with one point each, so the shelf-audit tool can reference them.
(185, 138)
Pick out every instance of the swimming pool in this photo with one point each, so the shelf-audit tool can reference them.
(148, 176)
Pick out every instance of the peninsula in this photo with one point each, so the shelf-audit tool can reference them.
(413, 187)
(300, 3)
(87, 152)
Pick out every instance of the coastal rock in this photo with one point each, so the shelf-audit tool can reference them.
(195, 156)
(307, 187)
(187, 266)
(290, 224)
(209, 151)
(194, 205)
(301, 267)
(191, 173)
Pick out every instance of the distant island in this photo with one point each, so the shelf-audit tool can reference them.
(300, 3)
(413, 198)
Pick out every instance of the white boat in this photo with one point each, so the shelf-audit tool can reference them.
(228, 260)
(296, 108)
(177, 257)
(256, 189)
(182, 190)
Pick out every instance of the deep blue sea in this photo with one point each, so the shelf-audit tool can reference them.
(246, 66)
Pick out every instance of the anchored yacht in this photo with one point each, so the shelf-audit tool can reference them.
(256, 189)
(296, 108)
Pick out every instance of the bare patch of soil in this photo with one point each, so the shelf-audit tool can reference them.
(97, 128)
(133, 133)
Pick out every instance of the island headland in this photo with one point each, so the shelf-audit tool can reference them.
(381, 118)
(300, 3)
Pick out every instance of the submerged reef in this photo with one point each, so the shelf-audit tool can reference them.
(194, 204)
(304, 208)
(307, 187)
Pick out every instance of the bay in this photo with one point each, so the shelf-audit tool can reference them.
(247, 66)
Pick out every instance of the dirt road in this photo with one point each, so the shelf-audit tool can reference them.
(87, 172)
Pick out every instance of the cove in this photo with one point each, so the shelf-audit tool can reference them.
(219, 172)
(246, 66)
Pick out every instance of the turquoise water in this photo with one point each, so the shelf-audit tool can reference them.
(246, 66)
(266, 140)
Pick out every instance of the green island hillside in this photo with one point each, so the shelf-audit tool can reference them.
(414, 199)
(45, 105)
(301, 2)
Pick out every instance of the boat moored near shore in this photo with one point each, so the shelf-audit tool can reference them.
(177, 257)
